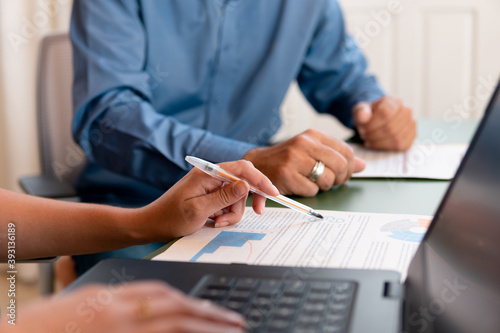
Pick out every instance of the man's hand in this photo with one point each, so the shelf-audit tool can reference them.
(385, 124)
(289, 163)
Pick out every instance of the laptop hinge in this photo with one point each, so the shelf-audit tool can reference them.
(393, 290)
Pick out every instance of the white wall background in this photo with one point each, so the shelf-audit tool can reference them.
(432, 53)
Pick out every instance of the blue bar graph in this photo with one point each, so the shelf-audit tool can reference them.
(228, 238)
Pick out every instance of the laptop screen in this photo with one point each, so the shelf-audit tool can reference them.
(455, 275)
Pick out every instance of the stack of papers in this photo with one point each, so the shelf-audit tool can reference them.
(436, 161)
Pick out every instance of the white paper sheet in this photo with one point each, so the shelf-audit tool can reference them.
(283, 237)
(437, 161)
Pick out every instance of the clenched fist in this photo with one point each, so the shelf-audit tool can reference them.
(386, 124)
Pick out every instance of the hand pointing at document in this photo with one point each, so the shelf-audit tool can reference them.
(306, 163)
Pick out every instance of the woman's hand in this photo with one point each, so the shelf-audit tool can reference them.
(185, 207)
(182, 210)
(136, 307)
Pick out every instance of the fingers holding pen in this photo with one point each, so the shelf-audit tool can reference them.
(247, 171)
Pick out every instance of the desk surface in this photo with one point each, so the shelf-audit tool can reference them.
(402, 196)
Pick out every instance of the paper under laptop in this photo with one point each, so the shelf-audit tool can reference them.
(282, 237)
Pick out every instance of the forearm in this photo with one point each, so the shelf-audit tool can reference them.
(46, 228)
(124, 134)
(334, 75)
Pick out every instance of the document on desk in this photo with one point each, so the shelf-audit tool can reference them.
(437, 161)
(282, 237)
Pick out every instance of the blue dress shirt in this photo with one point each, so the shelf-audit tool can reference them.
(158, 80)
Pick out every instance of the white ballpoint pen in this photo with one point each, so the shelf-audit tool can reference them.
(223, 175)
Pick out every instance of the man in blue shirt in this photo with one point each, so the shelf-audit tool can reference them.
(158, 80)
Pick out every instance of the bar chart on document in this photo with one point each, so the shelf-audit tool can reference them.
(228, 241)
(281, 237)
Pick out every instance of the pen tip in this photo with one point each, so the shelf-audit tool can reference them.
(318, 215)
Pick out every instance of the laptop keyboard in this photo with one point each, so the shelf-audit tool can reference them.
(273, 305)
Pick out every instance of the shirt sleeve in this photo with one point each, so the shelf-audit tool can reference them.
(115, 122)
(333, 76)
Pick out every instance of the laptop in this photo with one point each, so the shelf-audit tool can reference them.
(453, 282)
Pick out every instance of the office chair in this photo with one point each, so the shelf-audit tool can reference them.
(61, 159)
